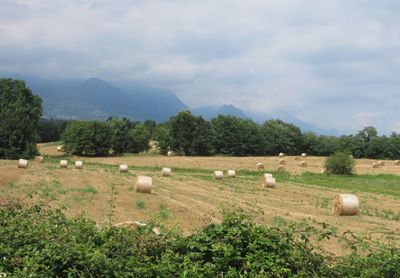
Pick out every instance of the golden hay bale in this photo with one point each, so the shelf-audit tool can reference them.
(171, 153)
(282, 161)
(231, 173)
(303, 155)
(23, 163)
(78, 164)
(345, 204)
(218, 175)
(381, 163)
(281, 168)
(60, 148)
(123, 168)
(166, 172)
(143, 184)
(397, 162)
(351, 156)
(281, 155)
(63, 163)
(375, 165)
(260, 166)
(268, 181)
(39, 159)
(303, 164)
(297, 158)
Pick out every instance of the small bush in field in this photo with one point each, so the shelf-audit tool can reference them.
(339, 163)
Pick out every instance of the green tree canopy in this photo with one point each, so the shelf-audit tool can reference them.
(20, 111)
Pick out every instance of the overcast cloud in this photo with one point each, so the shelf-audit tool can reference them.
(335, 63)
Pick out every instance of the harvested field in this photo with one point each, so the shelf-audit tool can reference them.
(191, 198)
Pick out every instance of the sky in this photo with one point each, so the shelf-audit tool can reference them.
(335, 63)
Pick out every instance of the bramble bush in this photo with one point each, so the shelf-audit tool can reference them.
(42, 241)
(339, 163)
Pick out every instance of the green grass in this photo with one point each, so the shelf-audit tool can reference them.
(140, 204)
(382, 184)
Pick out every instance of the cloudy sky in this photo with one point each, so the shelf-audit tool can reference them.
(335, 63)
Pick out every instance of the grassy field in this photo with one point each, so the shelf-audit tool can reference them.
(190, 198)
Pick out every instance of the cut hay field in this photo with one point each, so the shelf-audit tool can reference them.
(190, 198)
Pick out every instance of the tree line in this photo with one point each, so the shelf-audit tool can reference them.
(187, 134)
(21, 128)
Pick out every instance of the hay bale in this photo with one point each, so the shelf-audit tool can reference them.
(63, 163)
(282, 161)
(166, 172)
(281, 155)
(351, 156)
(260, 166)
(303, 155)
(303, 164)
(345, 204)
(397, 162)
(123, 168)
(375, 165)
(218, 175)
(78, 164)
(60, 148)
(381, 163)
(171, 153)
(23, 163)
(143, 184)
(231, 173)
(268, 181)
(39, 159)
(297, 158)
(281, 168)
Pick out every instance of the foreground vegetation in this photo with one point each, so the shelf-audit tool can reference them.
(39, 241)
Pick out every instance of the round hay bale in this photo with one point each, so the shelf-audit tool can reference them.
(260, 166)
(231, 173)
(166, 172)
(267, 181)
(351, 156)
(281, 168)
(63, 163)
(281, 155)
(303, 164)
(218, 175)
(282, 161)
(381, 163)
(303, 155)
(375, 165)
(267, 175)
(123, 168)
(60, 148)
(78, 164)
(397, 162)
(39, 159)
(23, 163)
(345, 204)
(171, 153)
(143, 184)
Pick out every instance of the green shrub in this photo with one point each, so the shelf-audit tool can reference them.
(339, 163)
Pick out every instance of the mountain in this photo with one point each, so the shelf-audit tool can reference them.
(209, 112)
(97, 99)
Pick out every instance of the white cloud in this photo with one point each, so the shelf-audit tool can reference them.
(327, 61)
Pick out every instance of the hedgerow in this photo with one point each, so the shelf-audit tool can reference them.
(42, 241)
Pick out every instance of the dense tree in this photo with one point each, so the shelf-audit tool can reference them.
(20, 111)
(279, 136)
(201, 144)
(163, 136)
(50, 130)
(120, 140)
(87, 138)
(139, 137)
(150, 126)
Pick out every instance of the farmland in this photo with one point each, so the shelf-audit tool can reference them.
(191, 199)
